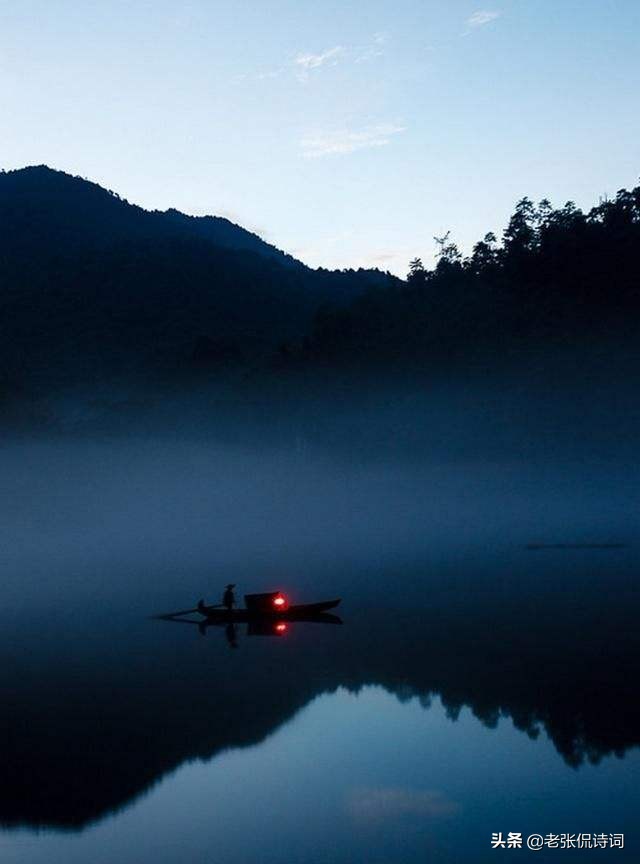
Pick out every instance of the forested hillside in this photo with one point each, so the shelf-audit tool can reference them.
(93, 285)
(557, 277)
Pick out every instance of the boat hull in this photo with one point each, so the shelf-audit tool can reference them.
(305, 612)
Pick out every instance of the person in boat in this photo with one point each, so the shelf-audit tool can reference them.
(229, 598)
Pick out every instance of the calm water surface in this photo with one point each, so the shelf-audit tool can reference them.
(475, 685)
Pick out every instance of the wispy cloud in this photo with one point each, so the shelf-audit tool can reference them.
(342, 141)
(482, 17)
(268, 74)
(375, 48)
(305, 63)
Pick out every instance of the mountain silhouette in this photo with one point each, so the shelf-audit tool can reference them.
(55, 205)
(93, 284)
(96, 288)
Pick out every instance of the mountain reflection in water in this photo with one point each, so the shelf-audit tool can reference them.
(354, 777)
(83, 736)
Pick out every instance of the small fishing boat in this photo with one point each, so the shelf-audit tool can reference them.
(268, 607)
(273, 604)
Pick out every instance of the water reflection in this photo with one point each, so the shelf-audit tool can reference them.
(231, 633)
(85, 732)
(267, 627)
(355, 777)
(446, 608)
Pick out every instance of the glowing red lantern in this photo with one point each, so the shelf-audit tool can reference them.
(272, 601)
(280, 602)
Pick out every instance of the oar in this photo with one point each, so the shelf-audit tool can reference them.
(168, 615)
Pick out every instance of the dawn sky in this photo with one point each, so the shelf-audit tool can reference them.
(346, 133)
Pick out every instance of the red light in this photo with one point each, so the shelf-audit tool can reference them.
(281, 627)
(279, 601)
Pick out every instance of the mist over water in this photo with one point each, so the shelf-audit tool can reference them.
(310, 486)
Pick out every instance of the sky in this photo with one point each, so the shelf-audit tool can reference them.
(346, 133)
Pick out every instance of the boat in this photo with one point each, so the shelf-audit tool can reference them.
(305, 612)
(272, 605)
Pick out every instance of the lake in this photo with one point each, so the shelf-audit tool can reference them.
(483, 678)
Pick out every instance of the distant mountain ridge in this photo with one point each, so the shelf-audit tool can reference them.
(92, 284)
(43, 191)
(92, 288)
(223, 232)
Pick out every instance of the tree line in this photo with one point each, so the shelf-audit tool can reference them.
(555, 277)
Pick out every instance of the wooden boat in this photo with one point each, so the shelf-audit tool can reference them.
(270, 607)
(303, 612)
